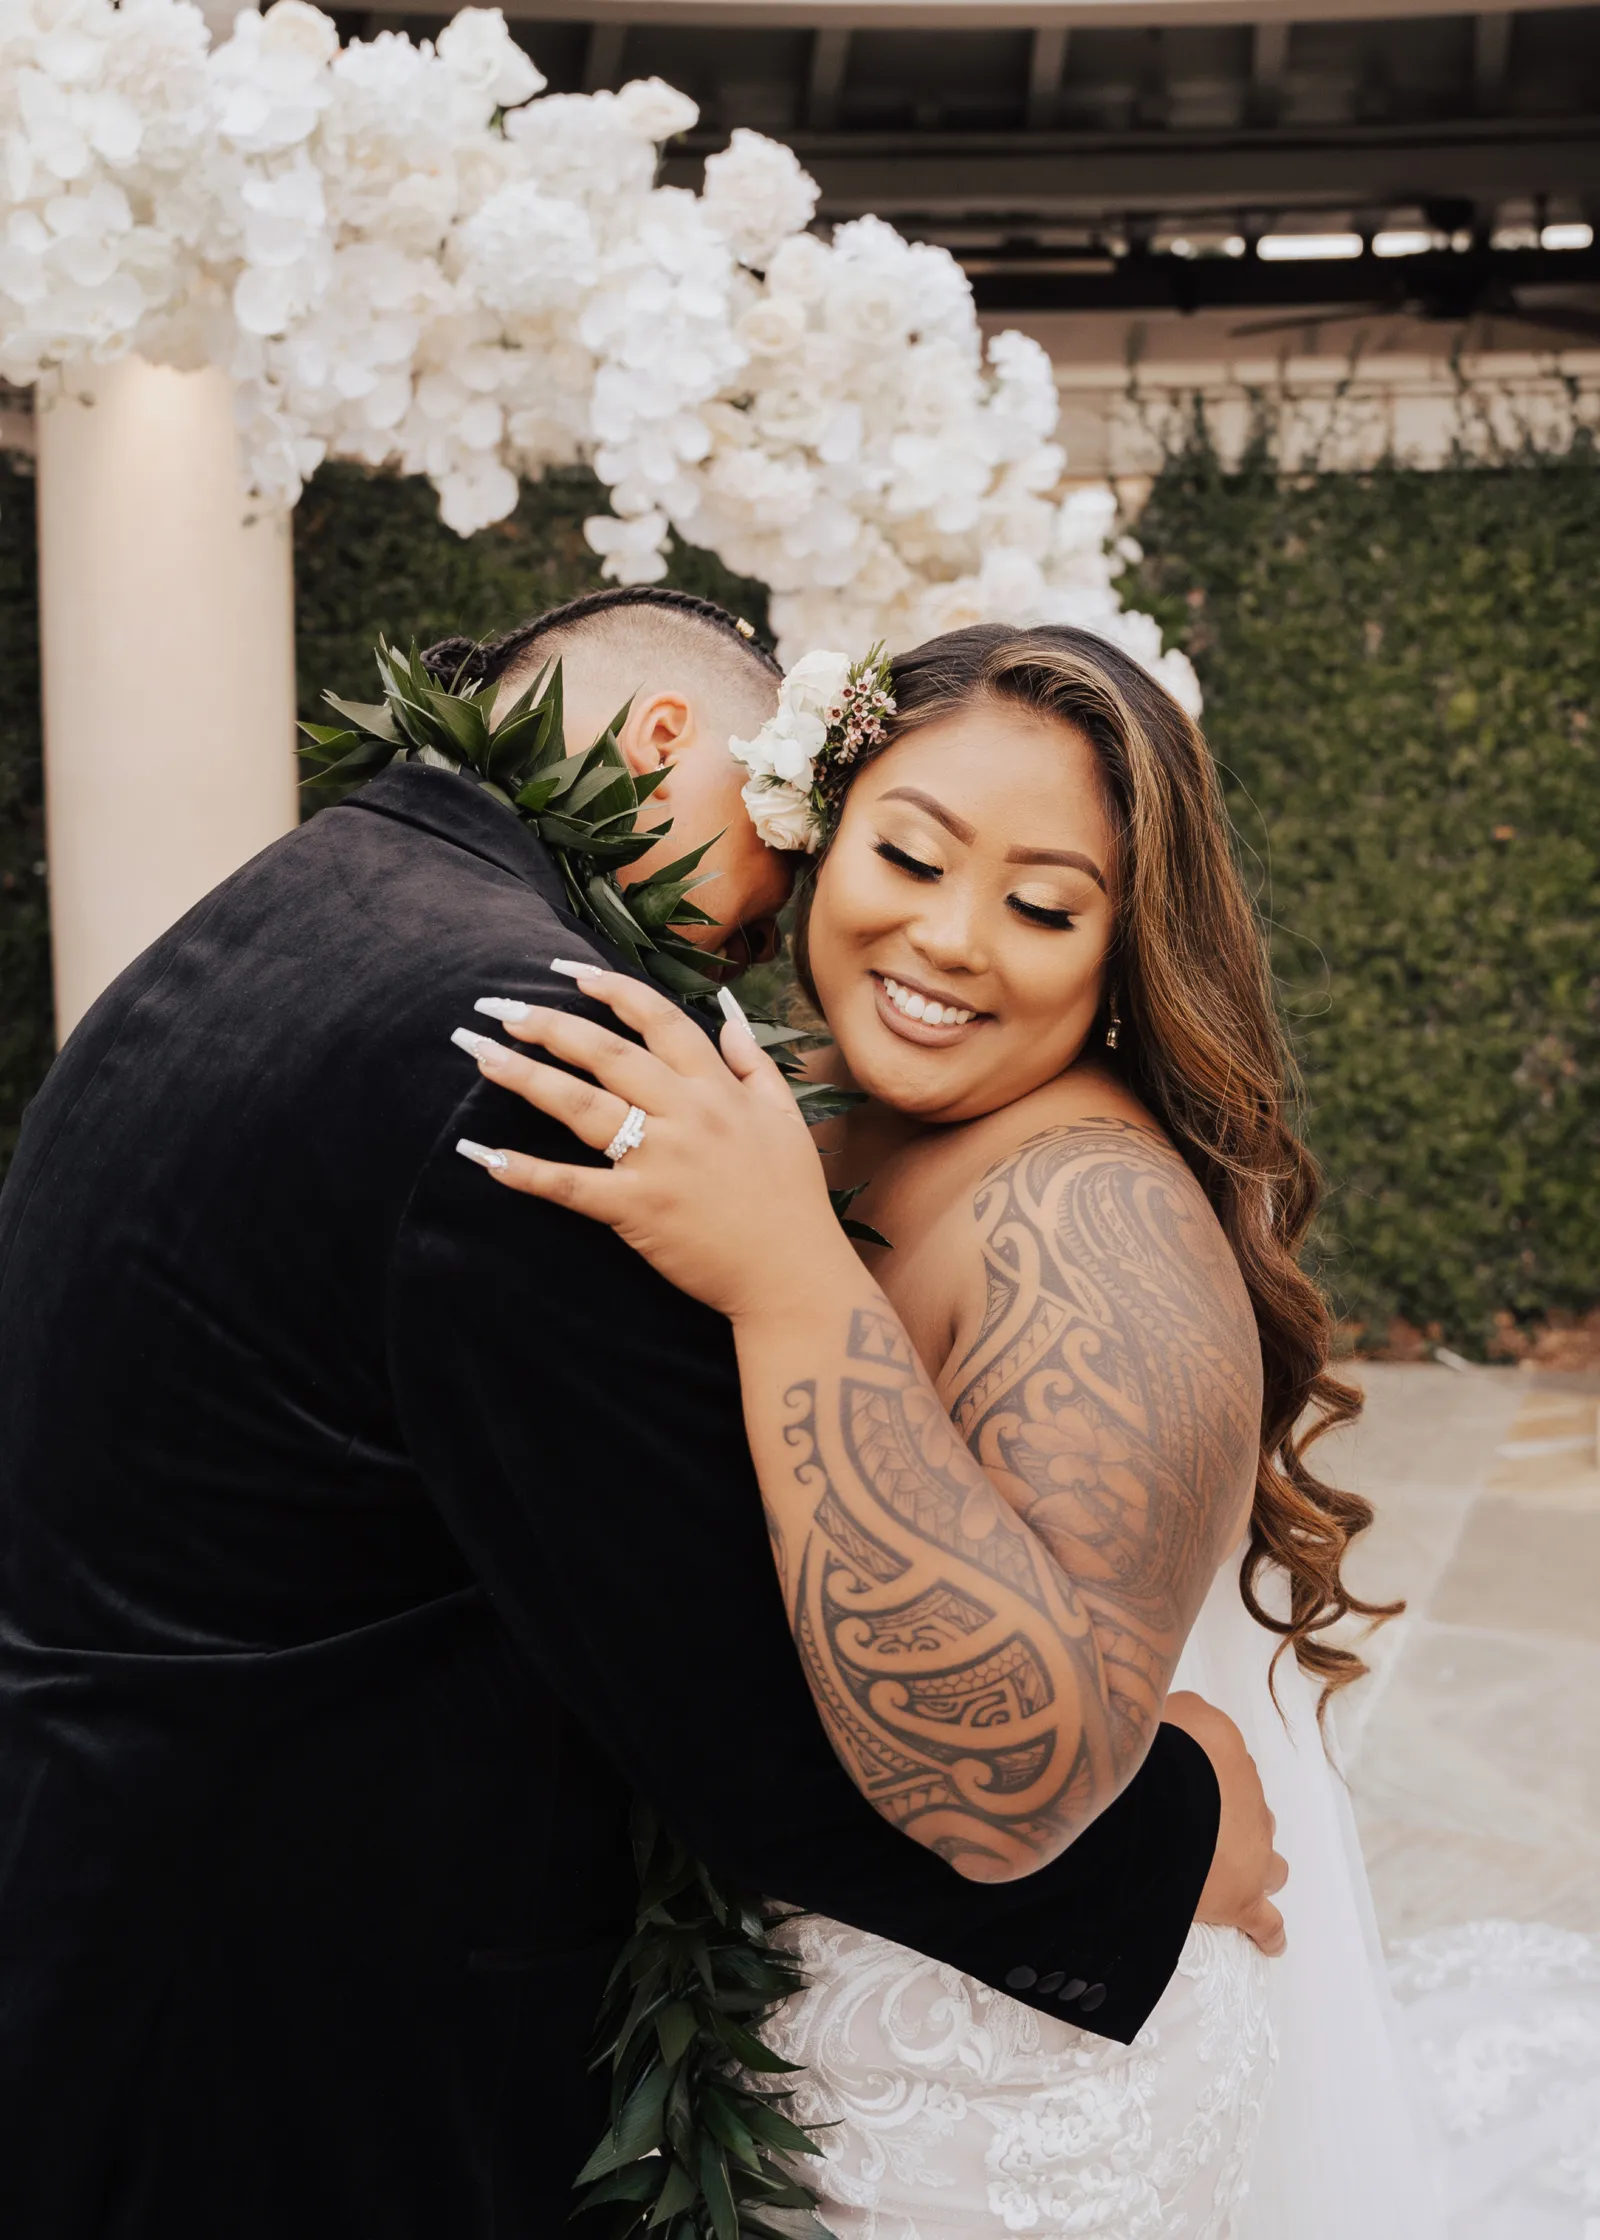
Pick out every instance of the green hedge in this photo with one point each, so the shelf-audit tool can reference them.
(1402, 681)
(1402, 676)
(371, 554)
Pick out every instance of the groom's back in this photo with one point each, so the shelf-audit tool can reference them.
(276, 1798)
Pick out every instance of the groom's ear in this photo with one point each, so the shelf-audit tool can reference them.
(659, 726)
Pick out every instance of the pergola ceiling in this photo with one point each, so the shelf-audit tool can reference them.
(1062, 152)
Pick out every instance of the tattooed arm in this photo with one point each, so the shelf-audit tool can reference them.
(989, 1583)
(989, 1627)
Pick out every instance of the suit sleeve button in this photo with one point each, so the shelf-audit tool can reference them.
(1094, 1997)
(1073, 1988)
(1022, 1979)
(1050, 1984)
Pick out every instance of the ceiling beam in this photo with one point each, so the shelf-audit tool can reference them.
(1047, 66)
(1269, 59)
(830, 59)
(1443, 282)
(1085, 175)
(602, 57)
(1491, 52)
(976, 15)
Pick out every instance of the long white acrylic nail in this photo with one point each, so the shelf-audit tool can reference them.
(481, 1155)
(503, 1007)
(571, 971)
(731, 1009)
(479, 1045)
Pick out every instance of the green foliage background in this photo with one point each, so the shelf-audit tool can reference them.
(1402, 677)
(371, 555)
(1402, 682)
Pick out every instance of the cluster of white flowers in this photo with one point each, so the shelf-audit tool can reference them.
(409, 254)
(782, 757)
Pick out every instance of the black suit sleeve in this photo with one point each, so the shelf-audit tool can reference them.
(578, 1422)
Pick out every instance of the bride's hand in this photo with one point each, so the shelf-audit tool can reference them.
(723, 1192)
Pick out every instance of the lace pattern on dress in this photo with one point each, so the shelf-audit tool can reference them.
(958, 2111)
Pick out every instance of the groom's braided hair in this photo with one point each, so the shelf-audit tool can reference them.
(471, 661)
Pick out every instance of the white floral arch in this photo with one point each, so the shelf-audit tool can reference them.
(409, 254)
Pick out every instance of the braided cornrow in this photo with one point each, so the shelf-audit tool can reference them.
(486, 663)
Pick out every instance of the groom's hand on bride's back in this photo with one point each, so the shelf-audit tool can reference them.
(1246, 1872)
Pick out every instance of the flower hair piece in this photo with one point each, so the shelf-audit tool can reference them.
(829, 709)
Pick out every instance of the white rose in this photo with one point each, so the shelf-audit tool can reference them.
(484, 60)
(772, 326)
(292, 28)
(872, 310)
(950, 606)
(815, 685)
(782, 816)
(757, 195)
(785, 747)
(655, 110)
(791, 412)
(800, 269)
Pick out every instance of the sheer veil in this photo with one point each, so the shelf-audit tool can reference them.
(1469, 2104)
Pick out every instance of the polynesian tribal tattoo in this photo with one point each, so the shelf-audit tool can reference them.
(989, 1689)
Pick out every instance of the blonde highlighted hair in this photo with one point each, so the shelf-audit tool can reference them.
(1201, 1045)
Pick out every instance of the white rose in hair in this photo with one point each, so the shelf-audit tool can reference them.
(782, 817)
(785, 746)
(815, 685)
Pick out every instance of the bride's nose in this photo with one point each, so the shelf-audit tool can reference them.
(946, 930)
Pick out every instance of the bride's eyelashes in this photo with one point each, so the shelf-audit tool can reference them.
(903, 862)
(1036, 914)
(1032, 913)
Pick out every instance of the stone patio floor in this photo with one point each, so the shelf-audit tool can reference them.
(1474, 1744)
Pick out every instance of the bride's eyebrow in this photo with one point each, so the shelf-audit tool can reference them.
(1064, 856)
(935, 809)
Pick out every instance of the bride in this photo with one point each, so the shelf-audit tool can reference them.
(1090, 1340)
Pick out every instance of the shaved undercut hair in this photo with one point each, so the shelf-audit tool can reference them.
(646, 636)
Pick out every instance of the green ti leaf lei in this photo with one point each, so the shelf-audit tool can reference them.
(584, 807)
(692, 2147)
(689, 2151)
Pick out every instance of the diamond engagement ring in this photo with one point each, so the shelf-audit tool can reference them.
(629, 1136)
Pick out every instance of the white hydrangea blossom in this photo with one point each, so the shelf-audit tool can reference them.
(756, 195)
(409, 254)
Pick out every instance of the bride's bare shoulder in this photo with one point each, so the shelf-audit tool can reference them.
(1075, 1193)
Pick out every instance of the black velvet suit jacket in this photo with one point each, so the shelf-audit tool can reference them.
(366, 1534)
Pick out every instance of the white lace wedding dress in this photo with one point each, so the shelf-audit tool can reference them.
(1283, 2100)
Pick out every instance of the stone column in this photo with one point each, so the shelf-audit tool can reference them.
(167, 629)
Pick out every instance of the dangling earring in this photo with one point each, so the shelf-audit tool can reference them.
(1115, 1028)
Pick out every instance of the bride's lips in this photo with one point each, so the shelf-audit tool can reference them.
(920, 1030)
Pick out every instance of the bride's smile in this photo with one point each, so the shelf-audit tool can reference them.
(959, 930)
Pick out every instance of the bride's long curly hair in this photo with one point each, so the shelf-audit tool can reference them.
(1202, 1047)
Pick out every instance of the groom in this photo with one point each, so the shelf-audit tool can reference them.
(367, 1536)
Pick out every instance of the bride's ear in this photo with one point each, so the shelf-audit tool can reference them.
(659, 726)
